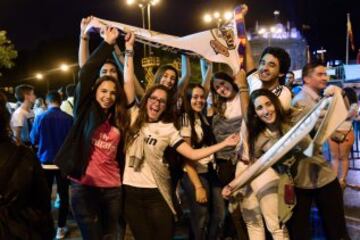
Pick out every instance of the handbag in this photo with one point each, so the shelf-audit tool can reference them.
(339, 137)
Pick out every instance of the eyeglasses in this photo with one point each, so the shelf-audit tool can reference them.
(152, 99)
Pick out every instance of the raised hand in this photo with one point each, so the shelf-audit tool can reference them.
(129, 41)
(84, 23)
(110, 34)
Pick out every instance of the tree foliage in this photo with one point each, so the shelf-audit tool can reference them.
(7, 51)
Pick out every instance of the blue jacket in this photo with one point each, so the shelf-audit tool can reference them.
(49, 132)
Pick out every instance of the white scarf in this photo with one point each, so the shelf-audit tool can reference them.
(216, 45)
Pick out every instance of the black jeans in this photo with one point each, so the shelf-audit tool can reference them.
(62, 186)
(147, 214)
(329, 201)
(97, 211)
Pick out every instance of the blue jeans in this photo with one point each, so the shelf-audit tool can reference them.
(97, 211)
(206, 219)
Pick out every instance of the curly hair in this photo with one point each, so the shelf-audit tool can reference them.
(282, 56)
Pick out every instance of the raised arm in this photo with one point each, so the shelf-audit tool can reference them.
(84, 52)
(89, 72)
(185, 73)
(240, 80)
(129, 86)
(196, 154)
(206, 74)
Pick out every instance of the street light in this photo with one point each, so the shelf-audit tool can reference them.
(148, 62)
(145, 4)
(39, 76)
(218, 18)
(64, 67)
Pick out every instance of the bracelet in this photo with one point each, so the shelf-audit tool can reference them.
(243, 90)
(84, 38)
(196, 188)
(129, 53)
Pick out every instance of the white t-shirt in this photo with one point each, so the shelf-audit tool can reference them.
(283, 93)
(233, 107)
(68, 105)
(157, 137)
(185, 131)
(24, 119)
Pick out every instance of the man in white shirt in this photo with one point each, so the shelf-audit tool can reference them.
(23, 117)
(68, 104)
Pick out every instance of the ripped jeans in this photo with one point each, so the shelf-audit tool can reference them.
(261, 201)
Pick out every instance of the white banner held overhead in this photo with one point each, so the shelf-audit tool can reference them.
(216, 45)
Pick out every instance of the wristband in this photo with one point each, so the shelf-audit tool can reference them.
(129, 53)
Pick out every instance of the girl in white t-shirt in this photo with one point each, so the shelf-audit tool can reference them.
(148, 200)
(200, 183)
(149, 208)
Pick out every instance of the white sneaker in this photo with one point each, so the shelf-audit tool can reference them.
(61, 232)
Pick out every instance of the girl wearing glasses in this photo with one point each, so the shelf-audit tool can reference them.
(149, 207)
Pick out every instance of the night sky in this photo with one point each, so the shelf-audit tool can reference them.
(45, 32)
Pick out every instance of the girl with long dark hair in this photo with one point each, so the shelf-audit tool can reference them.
(91, 155)
(200, 183)
(147, 180)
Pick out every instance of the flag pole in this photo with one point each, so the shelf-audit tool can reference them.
(347, 38)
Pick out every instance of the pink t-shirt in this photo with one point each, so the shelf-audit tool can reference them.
(103, 169)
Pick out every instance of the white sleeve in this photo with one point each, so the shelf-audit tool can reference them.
(17, 119)
(254, 82)
(174, 137)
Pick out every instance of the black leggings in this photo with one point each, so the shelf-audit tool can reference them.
(147, 214)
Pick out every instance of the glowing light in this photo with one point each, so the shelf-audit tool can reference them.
(39, 76)
(130, 2)
(272, 29)
(207, 18)
(64, 67)
(228, 15)
(216, 14)
(262, 31)
(154, 2)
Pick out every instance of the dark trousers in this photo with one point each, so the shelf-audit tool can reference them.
(147, 214)
(207, 219)
(329, 201)
(97, 211)
(62, 184)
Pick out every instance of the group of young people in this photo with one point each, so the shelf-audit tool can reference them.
(118, 157)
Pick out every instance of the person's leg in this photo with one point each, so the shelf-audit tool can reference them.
(161, 219)
(345, 149)
(199, 213)
(251, 213)
(85, 207)
(265, 187)
(299, 224)
(63, 191)
(134, 212)
(329, 201)
(110, 212)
